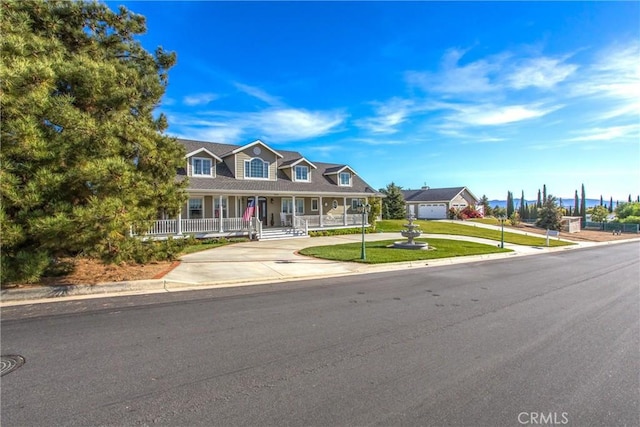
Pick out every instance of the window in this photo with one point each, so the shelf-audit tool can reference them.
(302, 173)
(314, 205)
(256, 168)
(201, 167)
(220, 212)
(356, 204)
(345, 179)
(195, 209)
(287, 206)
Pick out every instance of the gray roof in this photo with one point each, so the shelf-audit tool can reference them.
(433, 194)
(226, 182)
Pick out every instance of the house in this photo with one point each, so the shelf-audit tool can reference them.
(435, 203)
(256, 190)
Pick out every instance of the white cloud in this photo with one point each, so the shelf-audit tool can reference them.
(608, 133)
(476, 77)
(491, 115)
(541, 72)
(259, 94)
(296, 124)
(199, 99)
(389, 116)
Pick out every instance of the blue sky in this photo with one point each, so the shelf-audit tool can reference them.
(495, 96)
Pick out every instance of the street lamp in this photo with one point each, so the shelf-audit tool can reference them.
(365, 208)
(502, 219)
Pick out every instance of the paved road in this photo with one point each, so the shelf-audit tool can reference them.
(494, 343)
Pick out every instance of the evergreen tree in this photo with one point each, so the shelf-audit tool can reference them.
(484, 202)
(576, 204)
(83, 156)
(611, 205)
(539, 203)
(550, 215)
(393, 205)
(510, 207)
(629, 199)
(601, 201)
(583, 206)
(521, 210)
(544, 193)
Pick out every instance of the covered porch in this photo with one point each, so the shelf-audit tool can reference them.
(260, 216)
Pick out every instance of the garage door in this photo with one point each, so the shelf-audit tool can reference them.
(432, 211)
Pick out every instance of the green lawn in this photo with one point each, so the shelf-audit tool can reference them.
(437, 227)
(378, 252)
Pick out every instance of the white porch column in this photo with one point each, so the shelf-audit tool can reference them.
(320, 209)
(221, 216)
(179, 228)
(293, 214)
(344, 217)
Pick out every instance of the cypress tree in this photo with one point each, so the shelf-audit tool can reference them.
(544, 193)
(539, 203)
(611, 205)
(510, 207)
(83, 156)
(521, 209)
(576, 204)
(601, 201)
(583, 206)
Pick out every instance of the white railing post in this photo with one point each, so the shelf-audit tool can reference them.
(179, 227)
(344, 206)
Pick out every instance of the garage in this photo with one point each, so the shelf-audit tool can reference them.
(432, 211)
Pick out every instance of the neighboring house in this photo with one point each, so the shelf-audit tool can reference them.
(257, 190)
(434, 203)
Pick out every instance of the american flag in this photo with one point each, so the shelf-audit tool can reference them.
(248, 212)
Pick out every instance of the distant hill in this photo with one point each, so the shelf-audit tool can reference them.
(565, 202)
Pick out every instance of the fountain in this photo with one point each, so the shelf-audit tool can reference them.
(411, 233)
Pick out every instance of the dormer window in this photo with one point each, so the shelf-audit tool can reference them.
(302, 173)
(345, 179)
(256, 168)
(201, 167)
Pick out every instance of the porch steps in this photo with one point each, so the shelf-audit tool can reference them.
(282, 233)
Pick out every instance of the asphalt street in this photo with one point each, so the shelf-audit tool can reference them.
(553, 337)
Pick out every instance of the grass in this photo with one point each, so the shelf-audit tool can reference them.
(378, 252)
(437, 227)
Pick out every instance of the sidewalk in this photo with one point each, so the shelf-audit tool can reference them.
(260, 262)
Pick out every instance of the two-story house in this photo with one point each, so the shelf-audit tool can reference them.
(257, 190)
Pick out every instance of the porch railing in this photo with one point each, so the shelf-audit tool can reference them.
(168, 227)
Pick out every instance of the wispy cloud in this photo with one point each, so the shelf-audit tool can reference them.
(612, 133)
(258, 93)
(388, 116)
(541, 72)
(199, 99)
(492, 115)
(296, 124)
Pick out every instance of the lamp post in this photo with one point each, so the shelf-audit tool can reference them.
(365, 210)
(502, 218)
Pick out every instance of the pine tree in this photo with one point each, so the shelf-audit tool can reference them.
(576, 204)
(611, 205)
(521, 209)
(550, 215)
(393, 205)
(83, 156)
(484, 202)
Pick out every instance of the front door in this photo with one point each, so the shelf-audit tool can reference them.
(262, 209)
